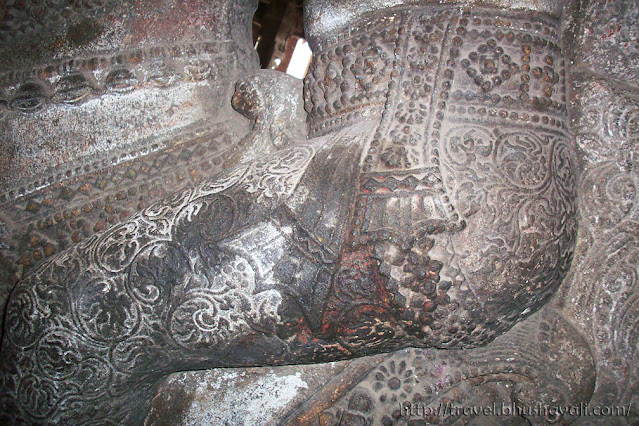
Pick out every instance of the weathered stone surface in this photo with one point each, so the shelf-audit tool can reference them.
(273, 102)
(247, 396)
(81, 82)
(330, 266)
(331, 16)
(54, 218)
(606, 121)
(598, 296)
(542, 362)
(584, 348)
(473, 97)
(432, 207)
(600, 291)
(607, 38)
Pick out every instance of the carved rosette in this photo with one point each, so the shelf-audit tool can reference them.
(543, 362)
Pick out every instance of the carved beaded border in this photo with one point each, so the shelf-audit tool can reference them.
(74, 81)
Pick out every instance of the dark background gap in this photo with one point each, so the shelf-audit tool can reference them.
(277, 26)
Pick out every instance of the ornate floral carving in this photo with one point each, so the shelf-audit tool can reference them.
(96, 306)
(433, 386)
(441, 223)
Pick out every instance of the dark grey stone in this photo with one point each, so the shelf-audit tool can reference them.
(432, 202)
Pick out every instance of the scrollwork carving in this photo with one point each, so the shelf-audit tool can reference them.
(451, 220)
(88, 321)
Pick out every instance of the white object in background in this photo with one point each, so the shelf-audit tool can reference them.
(300, 60)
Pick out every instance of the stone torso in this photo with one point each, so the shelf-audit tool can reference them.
(465, 193)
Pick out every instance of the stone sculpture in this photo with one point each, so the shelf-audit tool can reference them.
(107, 107)
(431, 206)
(578, 354)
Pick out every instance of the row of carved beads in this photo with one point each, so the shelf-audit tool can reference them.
(77, 80)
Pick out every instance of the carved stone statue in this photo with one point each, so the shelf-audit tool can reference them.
(107, 107)
(432, 205)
